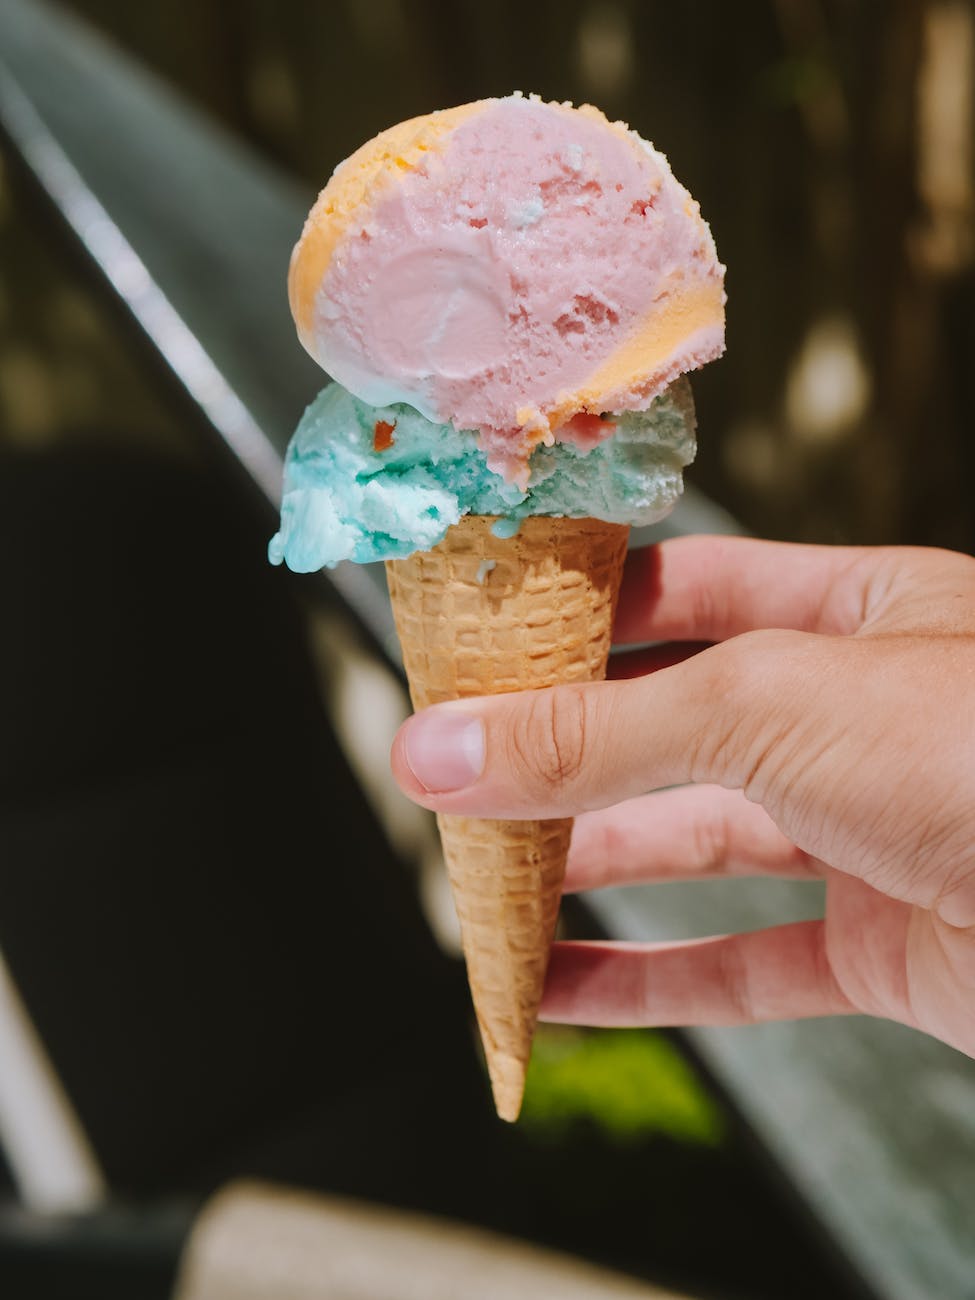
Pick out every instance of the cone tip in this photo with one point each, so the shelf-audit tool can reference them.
(507, 1083)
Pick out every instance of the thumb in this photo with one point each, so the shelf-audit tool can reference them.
(716, 717)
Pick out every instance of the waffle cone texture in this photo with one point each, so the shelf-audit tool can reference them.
(483, 615)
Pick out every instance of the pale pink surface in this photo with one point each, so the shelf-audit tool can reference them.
(501, 273)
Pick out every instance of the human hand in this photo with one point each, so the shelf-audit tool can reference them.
(828, 731)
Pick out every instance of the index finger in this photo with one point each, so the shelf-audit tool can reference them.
(713, 588)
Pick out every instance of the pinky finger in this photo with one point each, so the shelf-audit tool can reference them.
(739, 979)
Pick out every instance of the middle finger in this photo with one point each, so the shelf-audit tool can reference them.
(692, 832)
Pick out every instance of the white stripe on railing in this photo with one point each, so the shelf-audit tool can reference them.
(130, 278)
(53, 1164)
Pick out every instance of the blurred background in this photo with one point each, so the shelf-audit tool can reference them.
(226, 950)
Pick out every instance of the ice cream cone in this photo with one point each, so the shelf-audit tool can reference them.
(482, 615)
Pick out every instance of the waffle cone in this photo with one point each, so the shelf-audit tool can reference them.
(482, 615)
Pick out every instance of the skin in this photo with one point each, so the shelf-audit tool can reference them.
(826, 728)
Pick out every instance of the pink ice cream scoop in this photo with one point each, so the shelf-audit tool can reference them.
(511, 267)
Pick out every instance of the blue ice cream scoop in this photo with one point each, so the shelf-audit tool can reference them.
(368, 483)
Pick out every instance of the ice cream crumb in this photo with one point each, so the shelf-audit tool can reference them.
(382, 437)
(527, 213)
(505, 527)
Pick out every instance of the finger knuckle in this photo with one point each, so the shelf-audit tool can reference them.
(752, 679)
(736, 983)
(551, 740)
(709, 843)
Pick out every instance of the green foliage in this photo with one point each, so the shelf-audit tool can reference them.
(628, 1083)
